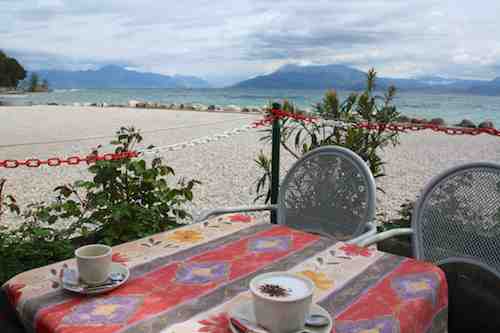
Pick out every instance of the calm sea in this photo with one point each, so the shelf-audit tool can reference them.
(452, 108)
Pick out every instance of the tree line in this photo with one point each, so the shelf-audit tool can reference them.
(13, 75)
(11, 72)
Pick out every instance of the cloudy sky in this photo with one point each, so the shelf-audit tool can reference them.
(227, 40)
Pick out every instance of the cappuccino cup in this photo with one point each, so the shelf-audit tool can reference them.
(281, 301)
(93, 263)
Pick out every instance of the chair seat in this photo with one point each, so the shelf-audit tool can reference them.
(8, 318)
(474, 299)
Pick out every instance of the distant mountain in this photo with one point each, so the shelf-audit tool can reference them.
(191, 81)
(308, 77)
(486, 88)
(117, 77)
(347, 78)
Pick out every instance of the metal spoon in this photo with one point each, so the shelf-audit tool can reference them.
(317, 320)
(116, 277)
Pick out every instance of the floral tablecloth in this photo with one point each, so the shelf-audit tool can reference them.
(185, 280)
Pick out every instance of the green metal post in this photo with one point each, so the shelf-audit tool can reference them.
(275, 166)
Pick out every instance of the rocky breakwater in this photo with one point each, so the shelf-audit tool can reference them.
(170, 106)
(465, 123)
(470, 124)
(193, 107)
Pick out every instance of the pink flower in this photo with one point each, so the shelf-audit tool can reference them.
(215, 324)
(355, 250)
(240, 218)
(14, 292)
(120, 258)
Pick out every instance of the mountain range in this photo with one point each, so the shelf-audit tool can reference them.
(343, 77)
(290, 76)
(113, 76)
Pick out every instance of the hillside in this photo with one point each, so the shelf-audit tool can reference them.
(118, 77)
(347, 78)
(308, 77)
(487, 88)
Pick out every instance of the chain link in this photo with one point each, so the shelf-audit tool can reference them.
(279, 114)
(198, 141)
(72, 160)
(274, 114)
(75, 160)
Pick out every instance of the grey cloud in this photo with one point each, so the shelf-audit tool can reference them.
(43, 60)
(496, 70)
(471, 71)
(271, 46)
(42, 11)
(238, 38)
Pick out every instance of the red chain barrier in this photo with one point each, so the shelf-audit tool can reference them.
(435, 128)
(72, 160)
(280, 114)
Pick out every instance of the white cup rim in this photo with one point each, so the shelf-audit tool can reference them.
(80, 249)
(255, 292)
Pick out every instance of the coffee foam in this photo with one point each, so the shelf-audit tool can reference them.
(296, 287)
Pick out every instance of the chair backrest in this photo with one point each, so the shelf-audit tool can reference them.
(330, 190)
(457, 218)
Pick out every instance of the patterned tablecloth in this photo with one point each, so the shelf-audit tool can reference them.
(185, 280)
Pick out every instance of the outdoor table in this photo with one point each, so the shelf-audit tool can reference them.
(185, 280)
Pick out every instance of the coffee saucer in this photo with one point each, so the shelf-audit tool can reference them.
(118, 276)
(245, 310)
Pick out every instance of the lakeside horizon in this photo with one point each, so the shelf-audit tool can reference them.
(451, 107)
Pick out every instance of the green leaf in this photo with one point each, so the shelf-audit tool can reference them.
(94, 169)
(64, 190)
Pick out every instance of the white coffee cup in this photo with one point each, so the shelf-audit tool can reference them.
(282, 314)
(94, 263)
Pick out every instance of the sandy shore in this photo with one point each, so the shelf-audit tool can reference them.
(225, 167)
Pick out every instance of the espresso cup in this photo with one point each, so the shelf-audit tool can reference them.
(281, 314)
(94, 263)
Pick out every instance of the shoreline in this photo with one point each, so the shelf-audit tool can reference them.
(235, 109)
(152, 106)
(453, 109)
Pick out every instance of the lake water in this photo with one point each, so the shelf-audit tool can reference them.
(452, 108)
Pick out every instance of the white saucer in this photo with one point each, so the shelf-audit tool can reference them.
(85, 289)
(245, 310)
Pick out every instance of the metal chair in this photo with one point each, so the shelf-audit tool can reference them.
(456, 224)
(457, 218)
(9, 322)
(329, 191)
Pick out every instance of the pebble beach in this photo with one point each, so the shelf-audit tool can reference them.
(225, 166)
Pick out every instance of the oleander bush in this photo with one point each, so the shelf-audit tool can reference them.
(125, 200)
(335, 127)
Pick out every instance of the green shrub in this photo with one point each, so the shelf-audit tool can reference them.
(125, 200)
(30, 246)
(405, 213)
(299, 137)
